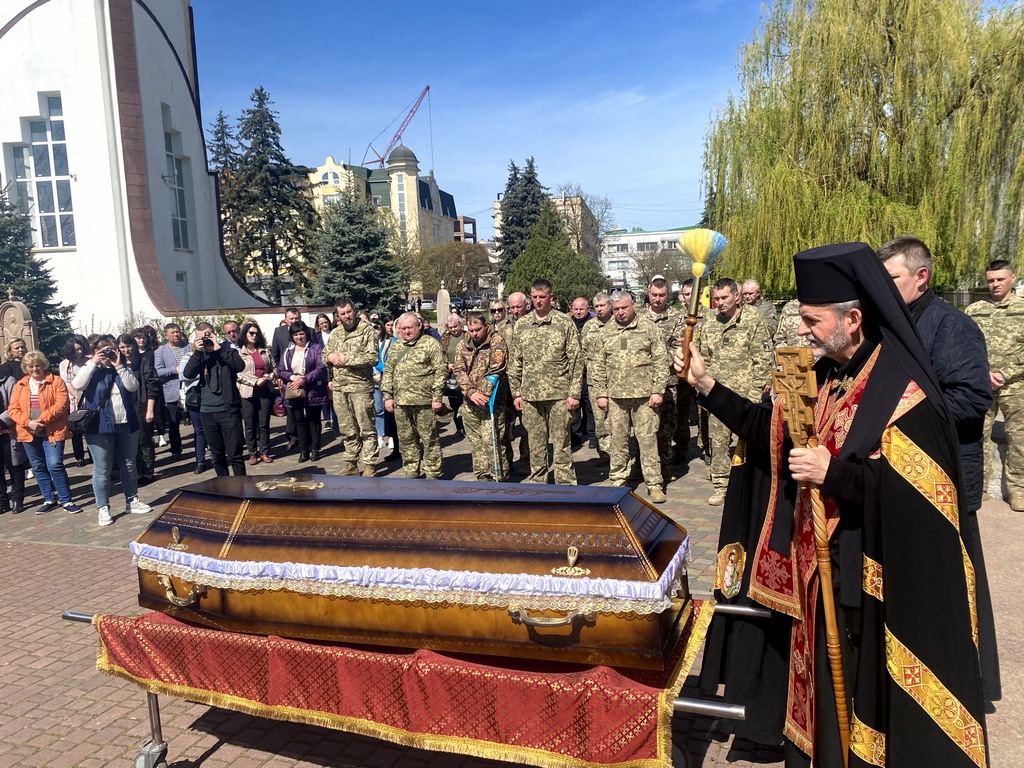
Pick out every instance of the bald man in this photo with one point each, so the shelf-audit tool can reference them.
(751, 293)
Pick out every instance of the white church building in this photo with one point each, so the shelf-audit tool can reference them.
(102, 145)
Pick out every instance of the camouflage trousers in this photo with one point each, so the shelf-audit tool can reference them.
(721, 461)
(602, 428)
(544, 421)
(1012, 407)
(356, 427)
(633, 412)
(666, 429)
(418, 440)
(476, 420)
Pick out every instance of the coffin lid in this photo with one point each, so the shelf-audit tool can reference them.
(434, 541)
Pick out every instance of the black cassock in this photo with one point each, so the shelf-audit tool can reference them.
(908, 641)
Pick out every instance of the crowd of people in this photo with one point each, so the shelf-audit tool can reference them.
(907, 390)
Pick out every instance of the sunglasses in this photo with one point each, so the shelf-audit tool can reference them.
(497, 310)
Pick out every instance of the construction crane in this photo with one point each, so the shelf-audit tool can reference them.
(381, 157)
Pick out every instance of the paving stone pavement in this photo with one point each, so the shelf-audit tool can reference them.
(57, 710)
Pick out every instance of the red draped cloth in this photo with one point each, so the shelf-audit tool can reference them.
(526, 712)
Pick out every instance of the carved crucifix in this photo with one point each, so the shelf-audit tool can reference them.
(795, 379)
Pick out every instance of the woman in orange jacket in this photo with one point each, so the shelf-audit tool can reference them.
(39, 408)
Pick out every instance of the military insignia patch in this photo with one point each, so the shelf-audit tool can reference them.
(499, 356)
(729, 571)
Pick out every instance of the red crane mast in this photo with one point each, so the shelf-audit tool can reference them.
(381, 157)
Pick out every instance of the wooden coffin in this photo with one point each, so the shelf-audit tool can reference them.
(591, 574)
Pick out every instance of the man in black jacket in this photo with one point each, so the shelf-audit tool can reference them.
(956, 346)
(217, 365)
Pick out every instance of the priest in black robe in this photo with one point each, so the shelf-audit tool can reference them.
(903, 581)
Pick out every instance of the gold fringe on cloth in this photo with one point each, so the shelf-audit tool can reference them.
(167, 673)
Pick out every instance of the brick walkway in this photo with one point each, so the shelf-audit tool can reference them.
(57, 710)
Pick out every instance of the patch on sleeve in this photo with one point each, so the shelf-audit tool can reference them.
(499, 356)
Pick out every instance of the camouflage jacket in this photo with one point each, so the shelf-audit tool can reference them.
(671, 325)
(590, 339)
(738, 352)
(789, 320)
(632, 361)
(545, 359)
(768, 313)
(359, 346)
(1003, 326)
(415, 372)
(474, 363)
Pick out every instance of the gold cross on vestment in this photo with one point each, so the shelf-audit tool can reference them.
(795, 379)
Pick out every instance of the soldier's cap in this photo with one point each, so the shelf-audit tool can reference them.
(658, 277)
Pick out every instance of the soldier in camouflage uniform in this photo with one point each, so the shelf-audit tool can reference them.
(546, 376)
(789, 320)
(736, 346)
(518, 305)
(630, 373)
(350, 354)
(684, 392)
(481, 353)
(1001, 319)
(670, 325)
(414, 375)
(590, 339)
(751, 294)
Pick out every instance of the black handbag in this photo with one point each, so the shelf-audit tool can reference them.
(83, 421)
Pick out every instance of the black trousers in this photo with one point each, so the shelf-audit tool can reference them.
(173, 424)
(307, 424)
(223, 430)
(145, 457)
(256, 412)
(16, 473)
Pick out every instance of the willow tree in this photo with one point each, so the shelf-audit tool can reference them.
(858, 121)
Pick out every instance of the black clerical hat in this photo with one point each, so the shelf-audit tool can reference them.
(830, 274)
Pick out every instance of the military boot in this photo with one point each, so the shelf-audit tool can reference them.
(348, 469)
(656, 494)
(368, 470)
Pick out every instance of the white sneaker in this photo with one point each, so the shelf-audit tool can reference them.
(104, 516)
(135, 507)
(163, 442)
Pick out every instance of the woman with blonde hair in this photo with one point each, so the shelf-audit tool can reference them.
(39, 408)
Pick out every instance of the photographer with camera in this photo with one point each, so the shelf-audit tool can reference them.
(107, 385)
(216, 365)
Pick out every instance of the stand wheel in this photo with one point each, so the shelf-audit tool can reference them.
(680, 759)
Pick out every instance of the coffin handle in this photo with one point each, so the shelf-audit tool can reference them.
(520, 616)
(197, 591)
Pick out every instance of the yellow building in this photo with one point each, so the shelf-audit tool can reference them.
(423, 213)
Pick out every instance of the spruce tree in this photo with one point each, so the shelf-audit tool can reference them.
(224, 156)
(549, 254)
(520, 209)
(274, 215)
(28, 279)
(350, 256)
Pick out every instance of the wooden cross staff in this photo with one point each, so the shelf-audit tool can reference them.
(796, 380)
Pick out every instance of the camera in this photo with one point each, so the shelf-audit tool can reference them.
(109, 354)
(207, 342)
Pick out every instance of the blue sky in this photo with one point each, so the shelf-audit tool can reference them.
(615, 96)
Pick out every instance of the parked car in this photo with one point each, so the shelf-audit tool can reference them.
(427, 304)
(458, 303)
(474, 302)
